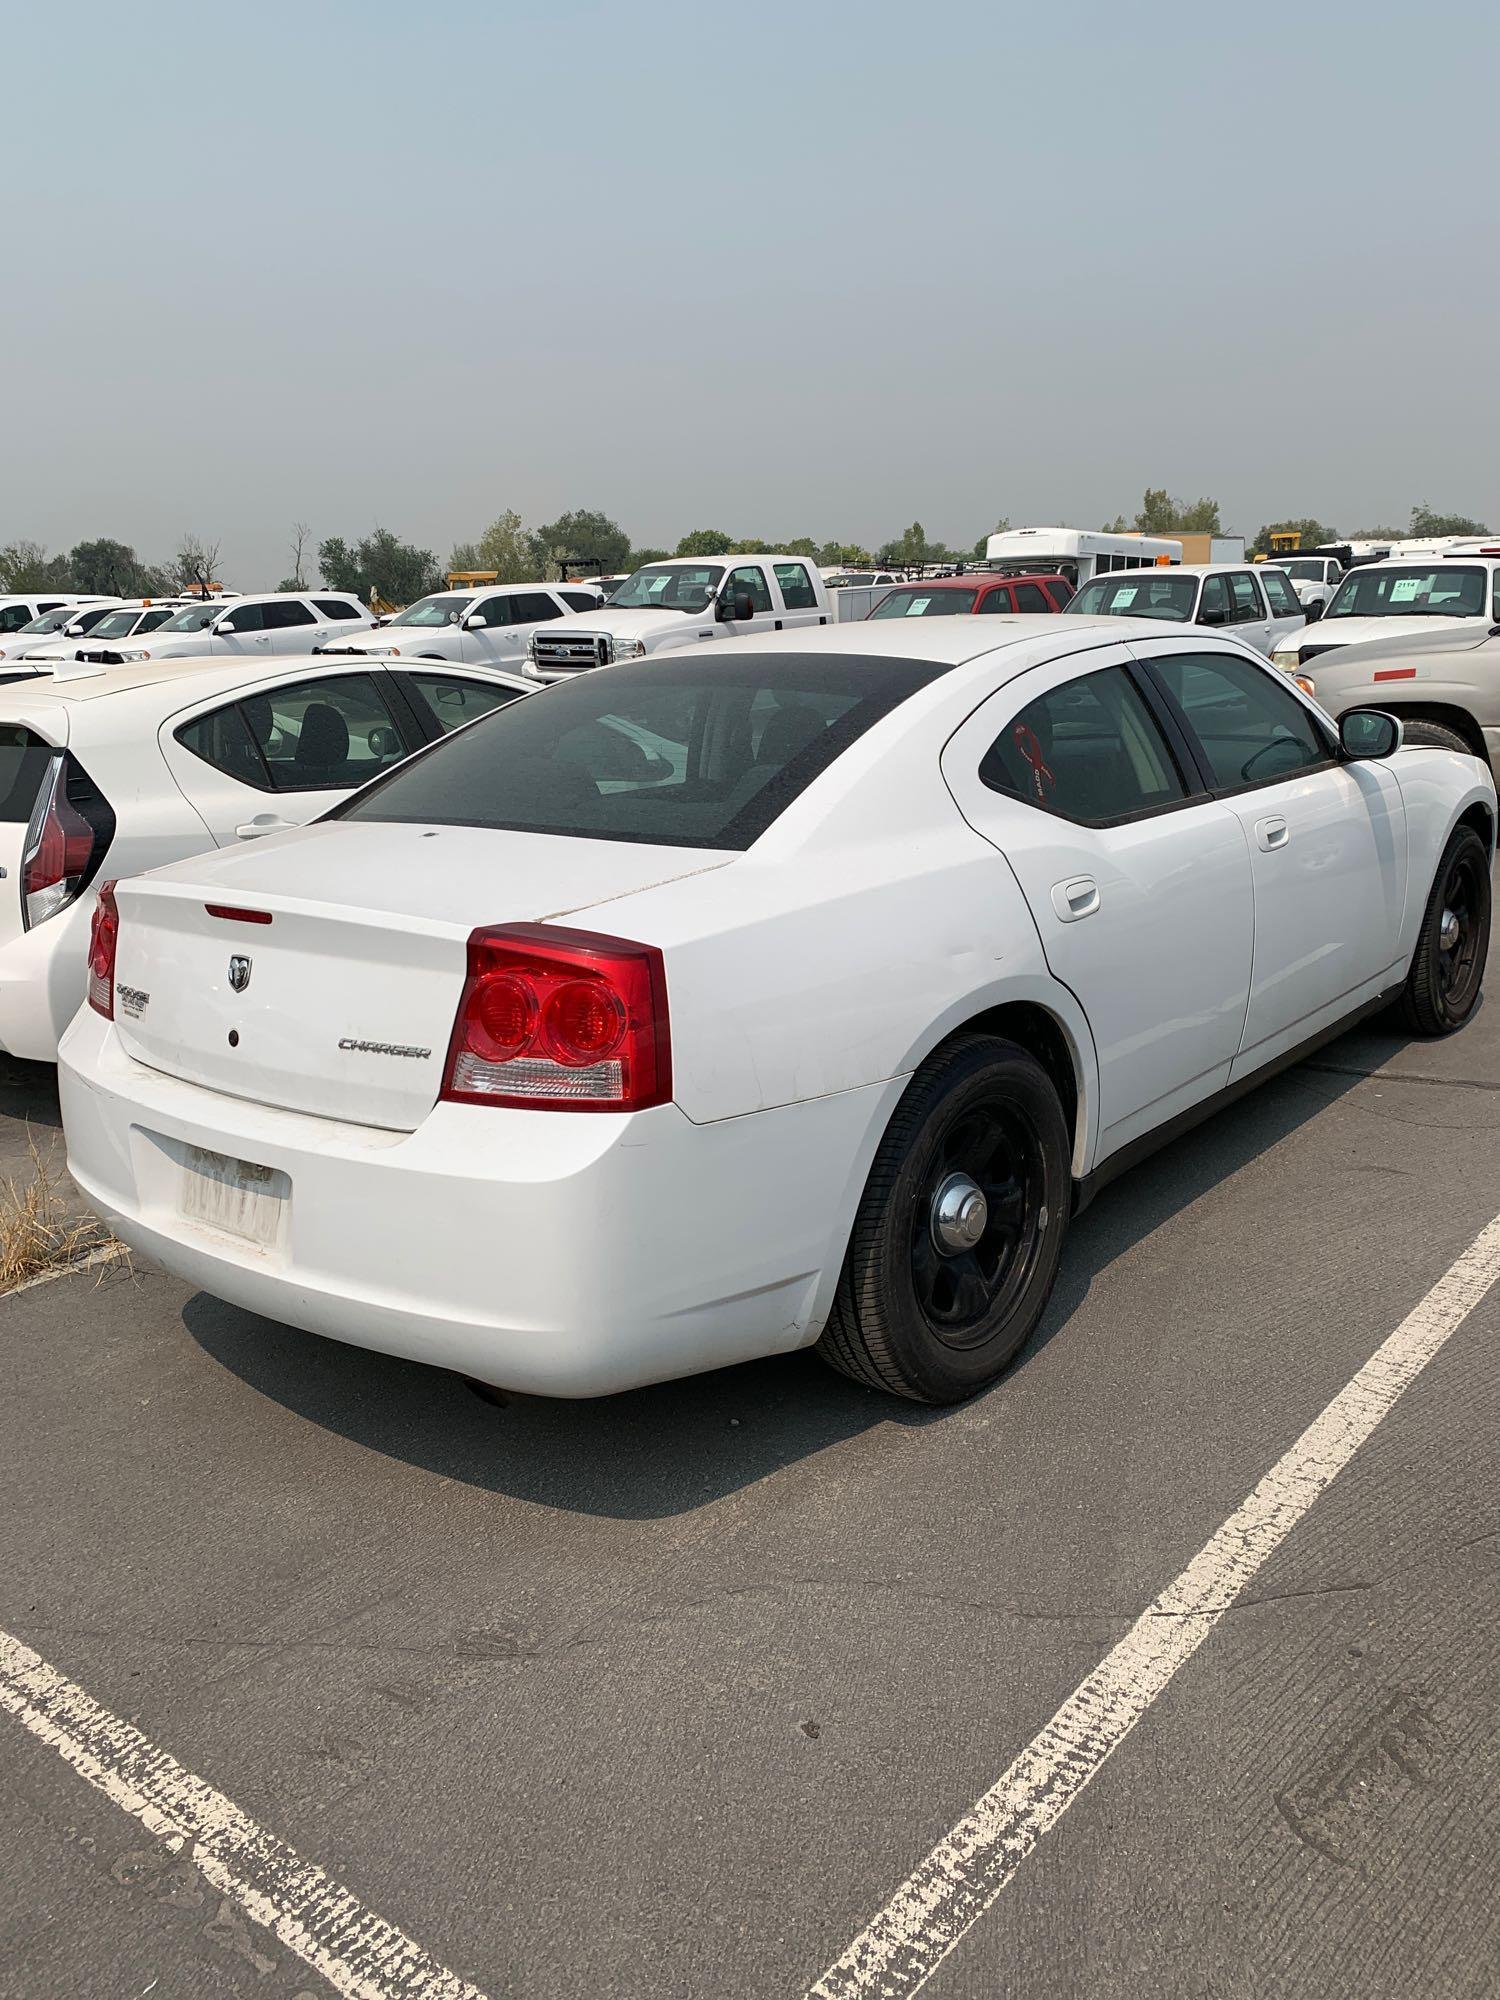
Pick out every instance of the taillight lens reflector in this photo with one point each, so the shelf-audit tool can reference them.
(561, 1020)
(104, 939)
(60, 851)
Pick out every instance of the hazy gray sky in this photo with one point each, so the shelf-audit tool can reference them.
(783, 269)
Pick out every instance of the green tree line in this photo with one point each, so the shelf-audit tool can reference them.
(399, 571)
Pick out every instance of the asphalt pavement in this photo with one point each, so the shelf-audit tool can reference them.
(665, 1695)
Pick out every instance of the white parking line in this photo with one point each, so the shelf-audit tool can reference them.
(901, 1948)
(358, 1953)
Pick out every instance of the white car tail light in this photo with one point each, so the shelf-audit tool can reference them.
(104, 938)
(561, 1020)
(65, 841)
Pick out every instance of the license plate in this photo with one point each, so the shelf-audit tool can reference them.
(236, 1197)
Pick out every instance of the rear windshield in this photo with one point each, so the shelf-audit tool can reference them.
(23, 759)
(1138, 595)
(690, 753)
(919, 603)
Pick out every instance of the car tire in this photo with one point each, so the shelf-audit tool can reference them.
(1447, 969)
(1433, 736)
(925, 1308)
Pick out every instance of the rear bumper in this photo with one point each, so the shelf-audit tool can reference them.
(556, 1254)
(42, 980)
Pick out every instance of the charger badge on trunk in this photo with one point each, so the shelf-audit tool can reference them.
(239, 973)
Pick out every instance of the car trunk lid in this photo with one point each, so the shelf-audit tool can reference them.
(230, 974)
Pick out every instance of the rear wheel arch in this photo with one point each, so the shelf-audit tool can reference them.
(1044, 1034)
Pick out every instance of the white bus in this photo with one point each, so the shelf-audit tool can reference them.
(1078, 553)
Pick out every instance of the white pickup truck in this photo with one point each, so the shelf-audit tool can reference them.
(682, 602)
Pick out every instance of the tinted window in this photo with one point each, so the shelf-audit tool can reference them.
(1154, 594)
(685, 753)
(579, 600)
(1061, 591)
(917, 602)
(447, 702)
(284, 612)
(243, 618)
(336, 607)
(1244, 598)
(24, 759)
(797, 592)
(223, 739)
(1283, 599)
(535, 607)
(324, 735)
(1030, 597)
(1089, 750)
(14, 616)
(495, 611)
(995, 601)
(1253, 731)
(750, 579)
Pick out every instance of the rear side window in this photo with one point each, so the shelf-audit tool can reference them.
(1281, 596)
(328, 734)
(689, 753)
(1088, 750)
(223, 740)
(336, 607)
(24, 760)
(797, 592)
(1061, 590)
(1030, 597)
(579, 600)
(14, 616)
(447, 702)
(535, 607)
(283, 613)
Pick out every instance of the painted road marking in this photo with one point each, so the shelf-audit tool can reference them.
(358, 1953)
(943, 1898)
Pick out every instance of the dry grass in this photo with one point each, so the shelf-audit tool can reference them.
(40, 1229)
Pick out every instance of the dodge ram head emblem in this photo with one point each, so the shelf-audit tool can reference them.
(239, 973)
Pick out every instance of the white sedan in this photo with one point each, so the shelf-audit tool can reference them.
(110, 771)
(791, 991)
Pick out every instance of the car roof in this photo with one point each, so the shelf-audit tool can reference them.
(208, 675)
(1176, 569)
(951, 642)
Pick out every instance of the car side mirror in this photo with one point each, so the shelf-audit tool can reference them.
(1315, 611)
(1213, 616)
(468, 624)
(220, 628)
(744, 604)
(1369, 732)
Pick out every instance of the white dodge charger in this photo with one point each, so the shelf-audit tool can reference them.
(792, 991)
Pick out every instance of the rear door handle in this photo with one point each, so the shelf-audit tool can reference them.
(1076, 898)
(1272, 833)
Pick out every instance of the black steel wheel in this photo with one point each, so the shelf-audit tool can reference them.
(1447, 970)
(958, 1236)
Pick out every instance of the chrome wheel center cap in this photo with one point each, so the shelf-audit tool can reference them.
(1448, 931)
(960, 1214)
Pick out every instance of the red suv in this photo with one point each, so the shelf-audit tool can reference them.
(948, 596)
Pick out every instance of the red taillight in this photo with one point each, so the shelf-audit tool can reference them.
(561, 1020)
(60, 851)
(104, 938)
(229, 914)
